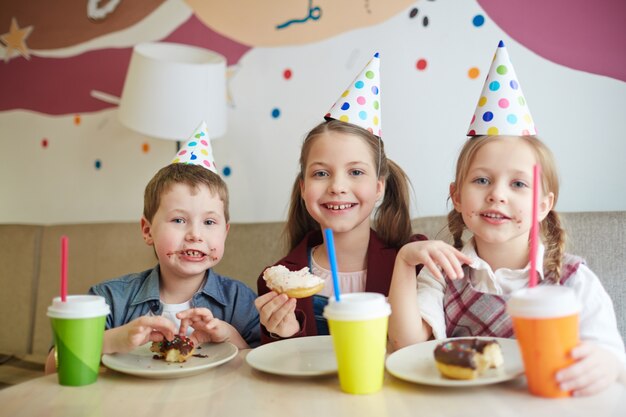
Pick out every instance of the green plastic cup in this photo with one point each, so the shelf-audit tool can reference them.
(78, 328)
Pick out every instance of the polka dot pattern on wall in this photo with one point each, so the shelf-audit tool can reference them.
(421, 64)
(77, 119)
(97, 164)
(359, 104)
(226, 171)
(145, 147)
(501, 108)
(478, 20)
(275, 113)
(473, 73)
(287, 74)
(44, 143)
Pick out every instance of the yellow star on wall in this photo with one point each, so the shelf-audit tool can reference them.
(15, 40)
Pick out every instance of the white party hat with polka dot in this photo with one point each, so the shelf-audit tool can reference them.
(360, 102)
(197, 150)
(502, 108)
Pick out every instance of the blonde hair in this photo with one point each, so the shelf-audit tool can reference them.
(392, 220)
(189, 174)
(551, 229)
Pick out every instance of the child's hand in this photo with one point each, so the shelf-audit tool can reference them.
(138, 332)
(435, 254)
(207, 328)
(595, 369)
(277, 314)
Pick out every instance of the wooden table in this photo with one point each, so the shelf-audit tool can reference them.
(235, 389)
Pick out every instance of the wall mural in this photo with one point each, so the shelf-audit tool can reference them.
(286, 62)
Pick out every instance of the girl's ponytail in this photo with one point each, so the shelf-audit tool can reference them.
(456, 225)
(555, 245)
(393, 219)
(300, 221)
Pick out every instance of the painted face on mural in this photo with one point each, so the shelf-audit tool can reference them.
(340, 185)
(495, 199)
(188, 231)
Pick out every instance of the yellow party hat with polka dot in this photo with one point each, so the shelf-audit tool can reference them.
(502, 108)
(197, 150)
(360, 102)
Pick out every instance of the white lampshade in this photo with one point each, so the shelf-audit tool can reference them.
(170, 88)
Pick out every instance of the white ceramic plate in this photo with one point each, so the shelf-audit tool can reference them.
(416, 363)
(300, 356)
(140, 361)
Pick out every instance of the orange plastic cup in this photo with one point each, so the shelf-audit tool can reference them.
(545, 322)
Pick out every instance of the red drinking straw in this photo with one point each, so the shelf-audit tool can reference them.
(64, 242)
(534, 227)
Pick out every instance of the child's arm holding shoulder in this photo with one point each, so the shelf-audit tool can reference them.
(433, 254)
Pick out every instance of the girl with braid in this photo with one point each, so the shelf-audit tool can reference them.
(492, 199)
(345, 183)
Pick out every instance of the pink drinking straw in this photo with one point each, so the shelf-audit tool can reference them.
(64, 242)
(534, 227)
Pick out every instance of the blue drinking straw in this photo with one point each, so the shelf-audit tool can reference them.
(330, 247)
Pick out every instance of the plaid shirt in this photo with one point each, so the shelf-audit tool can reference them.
(469, 312)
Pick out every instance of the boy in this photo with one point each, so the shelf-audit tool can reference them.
(185, 219)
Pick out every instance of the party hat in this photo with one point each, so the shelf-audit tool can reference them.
(502, 108)
(197, 150)
(360, 102)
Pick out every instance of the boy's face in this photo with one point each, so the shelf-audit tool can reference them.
(188, 231)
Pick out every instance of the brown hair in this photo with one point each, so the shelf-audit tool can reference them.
(392, 220)
(551, 229)
(192, 175)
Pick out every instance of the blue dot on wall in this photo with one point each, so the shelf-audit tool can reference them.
(275, 113)
(478, 20)
(226, 171)
(98, 164)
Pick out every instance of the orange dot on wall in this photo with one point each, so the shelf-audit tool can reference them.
(77, 119)
(145, 147)
(421, 64)
(473, 73)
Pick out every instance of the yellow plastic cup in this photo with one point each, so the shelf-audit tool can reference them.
(358, 326)
(545, 321)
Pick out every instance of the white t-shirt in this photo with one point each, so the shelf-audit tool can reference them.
(597, 318)
(170, 310)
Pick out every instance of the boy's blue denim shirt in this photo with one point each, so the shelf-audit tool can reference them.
(135, 295)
